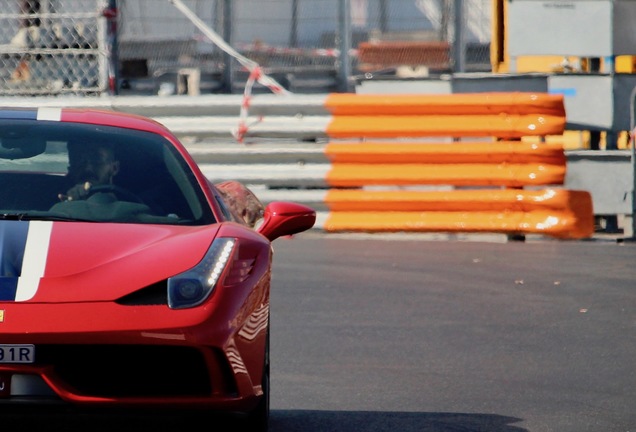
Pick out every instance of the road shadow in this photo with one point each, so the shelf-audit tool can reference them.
(379, 421)
(63, 420)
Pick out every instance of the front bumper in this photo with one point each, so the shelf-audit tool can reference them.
(135, 356)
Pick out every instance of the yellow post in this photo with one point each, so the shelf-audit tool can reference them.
(498, 49)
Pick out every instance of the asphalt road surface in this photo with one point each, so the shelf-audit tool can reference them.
(379, 335)
(384, 336)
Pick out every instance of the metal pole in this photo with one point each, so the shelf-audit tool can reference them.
(344, 44)
(228, 20)
(293, 34)
(384, 27)
(443, 28)
(217, 13)
(633, 215)
(459, 50)
(632, 132)
(111, 14)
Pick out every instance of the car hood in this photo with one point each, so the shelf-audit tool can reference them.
(42, 261)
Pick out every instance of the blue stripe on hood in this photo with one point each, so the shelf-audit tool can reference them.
(13, 235)
(19, 113)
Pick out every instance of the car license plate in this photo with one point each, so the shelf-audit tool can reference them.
(14, 353)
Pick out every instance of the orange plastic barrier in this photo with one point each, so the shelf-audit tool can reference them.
(501, 115)
(493, 104)
(562, 225)
(484, 179)
(457, 200)
(386, 126)
(346, 175)
(451, 153)
(462, 164)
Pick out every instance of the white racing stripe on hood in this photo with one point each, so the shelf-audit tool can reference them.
(34, 262)
(51, 114)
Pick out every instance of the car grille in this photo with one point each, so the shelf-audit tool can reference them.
(128, 370)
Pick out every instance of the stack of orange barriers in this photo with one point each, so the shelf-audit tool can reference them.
(391, 171)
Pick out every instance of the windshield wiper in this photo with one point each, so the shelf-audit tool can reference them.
(12, 216)
(40, 216)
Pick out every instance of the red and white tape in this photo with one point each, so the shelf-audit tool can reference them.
(256, 73)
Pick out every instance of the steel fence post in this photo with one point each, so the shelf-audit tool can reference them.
(632, 120)
(458, 44)
(111, 14)
(293, 34)
(344, 45)
(228, 20)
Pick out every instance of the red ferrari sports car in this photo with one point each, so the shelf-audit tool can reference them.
(126, 277)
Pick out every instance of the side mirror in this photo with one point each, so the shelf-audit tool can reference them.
(286, 218)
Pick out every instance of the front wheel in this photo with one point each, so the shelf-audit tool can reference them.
(258, 419)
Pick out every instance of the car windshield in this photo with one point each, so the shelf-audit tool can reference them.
(71, 171)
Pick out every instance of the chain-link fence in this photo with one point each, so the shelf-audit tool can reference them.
(306, 45)
(50, 47)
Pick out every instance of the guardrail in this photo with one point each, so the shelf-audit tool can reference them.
(495, 172)
(378, 168)
(388, 162)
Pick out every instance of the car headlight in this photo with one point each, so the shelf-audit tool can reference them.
(192, 287)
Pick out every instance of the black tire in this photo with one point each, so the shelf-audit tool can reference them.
(258, 419)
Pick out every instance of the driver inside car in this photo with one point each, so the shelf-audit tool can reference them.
(89, 166)
(91, 172)
(91, 193)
